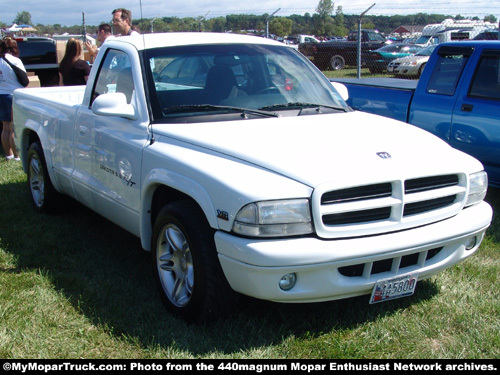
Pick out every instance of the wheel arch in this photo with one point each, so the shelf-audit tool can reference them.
(163, 187)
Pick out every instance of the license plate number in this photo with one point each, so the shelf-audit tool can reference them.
(396, 287)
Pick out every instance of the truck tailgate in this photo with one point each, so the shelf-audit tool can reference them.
(389, 97)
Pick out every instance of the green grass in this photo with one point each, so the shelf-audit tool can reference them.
(73, 285)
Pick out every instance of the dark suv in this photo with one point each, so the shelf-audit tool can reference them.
(39, 55)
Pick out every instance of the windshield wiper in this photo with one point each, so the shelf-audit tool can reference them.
(214, 108)
(299, 105)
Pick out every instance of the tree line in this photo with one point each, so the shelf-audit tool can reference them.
(327, 21)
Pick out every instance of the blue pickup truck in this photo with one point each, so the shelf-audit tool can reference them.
(457, 98)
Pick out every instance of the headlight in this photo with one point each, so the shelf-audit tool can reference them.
(274, 219)
(478, 188)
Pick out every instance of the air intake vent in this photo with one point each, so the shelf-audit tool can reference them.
(430, 183)
(357, 193)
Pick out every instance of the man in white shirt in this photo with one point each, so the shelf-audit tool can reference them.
(122, 22)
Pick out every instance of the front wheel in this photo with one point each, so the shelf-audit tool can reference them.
(43, 195)
(187, 270)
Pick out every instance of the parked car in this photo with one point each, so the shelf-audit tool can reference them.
(378, 60)
(336, 54)
(411, 66)
(487, 35)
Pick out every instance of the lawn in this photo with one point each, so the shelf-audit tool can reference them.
(73, 285)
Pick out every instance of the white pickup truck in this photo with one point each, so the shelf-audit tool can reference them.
(243, 171)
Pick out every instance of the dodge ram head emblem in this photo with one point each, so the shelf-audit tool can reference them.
(384, 155)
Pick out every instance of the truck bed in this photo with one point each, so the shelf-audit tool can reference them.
(388, 97)
(59, 94)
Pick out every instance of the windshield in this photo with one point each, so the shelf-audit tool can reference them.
(427, 51)
(200, 79)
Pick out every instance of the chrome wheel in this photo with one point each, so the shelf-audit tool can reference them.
(36, 180)
(175, 265)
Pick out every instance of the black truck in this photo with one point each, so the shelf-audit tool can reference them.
(39, 55)
(336, 54)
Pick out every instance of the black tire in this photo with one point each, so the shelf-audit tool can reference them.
(420, 70)
(337, 62)
(44, 197)
(187, 271)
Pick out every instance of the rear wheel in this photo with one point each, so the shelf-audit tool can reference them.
(187, 270)
(337, 62)
(44, 196)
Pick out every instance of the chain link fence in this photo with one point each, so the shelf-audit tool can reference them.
(402, 53)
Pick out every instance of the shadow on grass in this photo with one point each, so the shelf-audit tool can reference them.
(107, 277)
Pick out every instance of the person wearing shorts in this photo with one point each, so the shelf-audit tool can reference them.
(8, 83)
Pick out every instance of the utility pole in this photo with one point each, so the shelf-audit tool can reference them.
(151, 25)
(200, 22)
(84, 31)
(267, 22)
(359, 39)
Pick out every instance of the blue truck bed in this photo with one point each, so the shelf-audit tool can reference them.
(389, 97)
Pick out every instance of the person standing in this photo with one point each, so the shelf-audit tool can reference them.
(103, 33)
(8, 83)
(72, 69)
(122, 22)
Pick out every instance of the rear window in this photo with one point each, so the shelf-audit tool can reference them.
(448, 69)
(37, 52)
(486, 81)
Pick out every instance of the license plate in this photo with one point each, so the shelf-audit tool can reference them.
(396, 287)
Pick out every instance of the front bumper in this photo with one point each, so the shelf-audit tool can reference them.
(336, 269)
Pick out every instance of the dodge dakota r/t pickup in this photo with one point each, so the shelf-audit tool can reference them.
(243, 171)
(456, 98)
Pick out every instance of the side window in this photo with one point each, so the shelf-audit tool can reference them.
(485, 83)
(448, 69)
(115, 75)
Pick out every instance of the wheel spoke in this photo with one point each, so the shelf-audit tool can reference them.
(175, 265)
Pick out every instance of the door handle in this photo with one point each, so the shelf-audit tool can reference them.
(466, 107)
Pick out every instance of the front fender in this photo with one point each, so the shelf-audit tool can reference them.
(161, 177)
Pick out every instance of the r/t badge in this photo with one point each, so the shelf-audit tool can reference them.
(384, 155)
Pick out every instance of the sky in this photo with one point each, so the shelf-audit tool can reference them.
(70, 12)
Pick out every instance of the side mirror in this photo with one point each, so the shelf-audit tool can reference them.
(114, 104)
(341, 89)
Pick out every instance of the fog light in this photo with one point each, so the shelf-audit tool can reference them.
(471, 242)
(287, 282)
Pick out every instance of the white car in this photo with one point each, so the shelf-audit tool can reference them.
(411, 66)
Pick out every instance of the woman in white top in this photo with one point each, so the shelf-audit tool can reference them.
(8, 83)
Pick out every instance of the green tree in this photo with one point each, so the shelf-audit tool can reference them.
(23, 18)
(491, 18)
(325, 8)
(280, 26)
(324, 24)
(339, 22)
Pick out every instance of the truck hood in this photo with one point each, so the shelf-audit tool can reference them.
(329, 148)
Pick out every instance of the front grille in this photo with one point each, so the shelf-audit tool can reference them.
(387, 206)
(363, 216)
(395, 264)
(429, 183)
(429, 205)
(357, 193)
